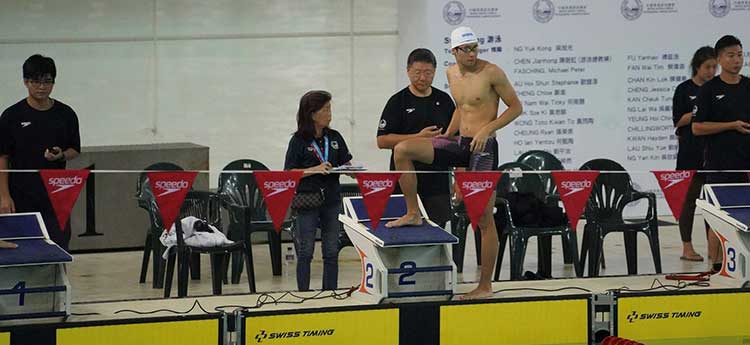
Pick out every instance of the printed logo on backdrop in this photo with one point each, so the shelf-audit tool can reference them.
(719, 8)
(543, 11)
(631, 9)
(454, 12)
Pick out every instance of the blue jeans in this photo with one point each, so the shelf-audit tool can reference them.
(308, 221)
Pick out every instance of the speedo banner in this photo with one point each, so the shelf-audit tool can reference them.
(63, 188)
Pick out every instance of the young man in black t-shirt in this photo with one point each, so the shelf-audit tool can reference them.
(722, 115)
(38, 132)
(420, 110)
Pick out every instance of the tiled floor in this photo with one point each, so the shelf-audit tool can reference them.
(114, 276)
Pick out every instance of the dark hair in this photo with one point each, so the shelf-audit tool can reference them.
(726, 42)
(309, 104)
(38, 66)
(701, 55)
(421, 55)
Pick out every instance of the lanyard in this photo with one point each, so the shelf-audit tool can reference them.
(321, 157)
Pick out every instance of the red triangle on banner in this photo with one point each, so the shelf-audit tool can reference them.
(476, 188)
(376, 189)
(63, 188)
(674, 184)
(277, 188)
(574, 188)
(170, 188)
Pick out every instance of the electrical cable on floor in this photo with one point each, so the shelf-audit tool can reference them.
(266, 299)
(658, 285)
(84, 314)
(544, 290)
(195, 304)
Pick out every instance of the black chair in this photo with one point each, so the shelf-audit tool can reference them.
(202, 205)
(240, 196)
(611, 193)
(543, 160)
(531, 185)
(146, 201)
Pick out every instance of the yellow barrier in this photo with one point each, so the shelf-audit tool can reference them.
(363, 327)
(4, 338)
(721, 315)
(195, 332)
(533, 322)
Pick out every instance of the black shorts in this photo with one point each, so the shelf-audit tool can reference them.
(457, 153)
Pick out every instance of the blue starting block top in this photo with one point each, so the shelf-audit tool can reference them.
(732, 195)
(23, 225)
(741, 214)
(411, 235)
(425, 234)
(395, 208)
(33, 252)
(34, 247)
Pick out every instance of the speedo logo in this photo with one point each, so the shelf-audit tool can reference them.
(575, 186)
(476, 187)
(279, 186)
(674, 178)
(170, 187)
(63, 183)
(377, 185)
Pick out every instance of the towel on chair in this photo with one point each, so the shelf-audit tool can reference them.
(196, 233)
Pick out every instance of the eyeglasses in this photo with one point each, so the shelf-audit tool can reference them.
(469, 49)
(41, 82)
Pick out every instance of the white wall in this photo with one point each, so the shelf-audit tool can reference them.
(224, 73)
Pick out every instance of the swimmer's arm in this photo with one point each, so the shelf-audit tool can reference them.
(455, 124)
(507, 94)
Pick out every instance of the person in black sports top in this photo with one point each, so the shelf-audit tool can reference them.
(690, 154)
(38, 132)
(420, 111)
(722, 116)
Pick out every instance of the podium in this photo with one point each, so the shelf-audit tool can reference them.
(726, 208)
(33, 282)
(411, 263)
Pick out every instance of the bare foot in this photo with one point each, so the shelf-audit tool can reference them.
(478, 293)
(7, 245)
(405, 220)
(691, 257)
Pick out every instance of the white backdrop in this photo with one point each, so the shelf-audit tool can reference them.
(596, 77)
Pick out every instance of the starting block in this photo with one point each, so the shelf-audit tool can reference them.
(33, 282)
(406, 263)
(726, 208)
